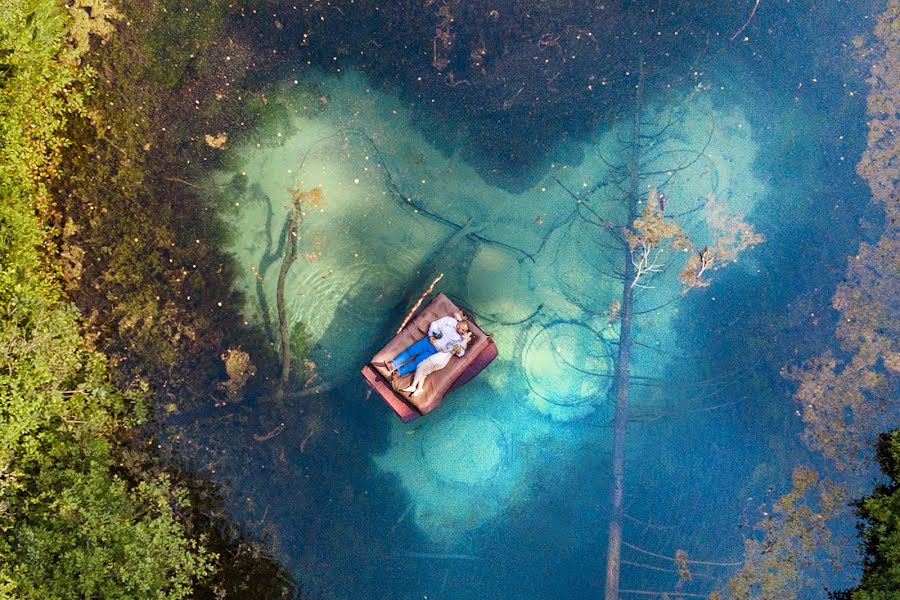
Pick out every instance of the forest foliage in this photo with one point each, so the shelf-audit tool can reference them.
(97, 208)
(72, 526)
(881, 529)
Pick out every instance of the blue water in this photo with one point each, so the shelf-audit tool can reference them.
(503, 492)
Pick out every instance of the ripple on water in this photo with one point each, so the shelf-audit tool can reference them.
(366, 288)
(567, 366)
(315, 294)
(464, 448)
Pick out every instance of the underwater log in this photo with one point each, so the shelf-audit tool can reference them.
(290, 255)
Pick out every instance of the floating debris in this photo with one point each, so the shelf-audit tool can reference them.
(216, 141)
(269, 435)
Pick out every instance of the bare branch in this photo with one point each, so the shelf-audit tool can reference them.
(744, 26)
(661, 592)
(671, 558)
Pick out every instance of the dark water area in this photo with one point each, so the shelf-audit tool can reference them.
(357, 504)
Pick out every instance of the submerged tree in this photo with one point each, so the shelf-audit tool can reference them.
(291, 228)
(649, 242)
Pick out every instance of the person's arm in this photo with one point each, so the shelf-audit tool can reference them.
(459, 350)
(434, 328)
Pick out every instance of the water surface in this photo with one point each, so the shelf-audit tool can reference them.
(503, 491)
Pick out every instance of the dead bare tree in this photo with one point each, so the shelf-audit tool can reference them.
(644, 242)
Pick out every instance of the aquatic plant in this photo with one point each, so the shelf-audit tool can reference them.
(794, 538)
(90, 19)
(300, 340)
(731, 237)
(82, 517)
(150, 275)
(175, 43)
(274, 121)
(843, 397)
(647, 238)
(293, 222)
(239, 369)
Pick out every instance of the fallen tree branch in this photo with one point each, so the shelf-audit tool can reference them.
(744, 26)
(692, 562)
(312, 391)
(267, 260)
(419, 302)
(187, 183)
(290, 255)
(676, 593)
(269, 435)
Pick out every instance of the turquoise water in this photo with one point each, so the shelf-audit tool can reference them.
(503, 492)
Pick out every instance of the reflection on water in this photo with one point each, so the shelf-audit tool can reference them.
(511, 473)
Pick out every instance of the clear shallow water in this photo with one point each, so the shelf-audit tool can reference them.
(504, 491)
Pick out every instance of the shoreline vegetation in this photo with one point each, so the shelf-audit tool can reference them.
(98, 125)
(73, 526)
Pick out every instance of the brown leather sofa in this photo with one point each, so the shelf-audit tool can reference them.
(459, 370)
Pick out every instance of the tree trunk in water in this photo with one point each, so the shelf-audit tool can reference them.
(623, 364)
(290, 255)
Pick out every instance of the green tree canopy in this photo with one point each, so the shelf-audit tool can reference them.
(881, 529)
(71, 528)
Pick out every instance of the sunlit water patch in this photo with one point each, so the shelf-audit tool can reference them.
(462, 467)
(464, 448)
(498, 286)
(538, 270)
(568, 369)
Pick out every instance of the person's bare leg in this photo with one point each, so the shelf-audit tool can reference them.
(419, 384)
(416, 384)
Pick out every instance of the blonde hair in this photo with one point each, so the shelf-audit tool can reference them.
(464, 343)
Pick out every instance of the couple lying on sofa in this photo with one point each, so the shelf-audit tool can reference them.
(446, 336)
